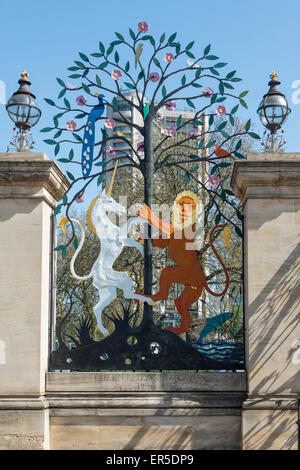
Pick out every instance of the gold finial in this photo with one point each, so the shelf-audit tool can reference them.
(273, 75)
(25, 75)
(112, 180)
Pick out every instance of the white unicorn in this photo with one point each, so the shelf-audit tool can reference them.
(112, 240)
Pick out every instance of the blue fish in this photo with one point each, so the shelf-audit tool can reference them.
(212, 324)
(89, 137)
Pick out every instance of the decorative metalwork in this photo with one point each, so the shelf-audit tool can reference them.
(108, 317)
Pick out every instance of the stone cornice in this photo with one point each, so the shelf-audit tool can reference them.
(267, 176)
(34, 171)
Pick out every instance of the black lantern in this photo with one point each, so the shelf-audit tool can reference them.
(273, 111)
(24, 112)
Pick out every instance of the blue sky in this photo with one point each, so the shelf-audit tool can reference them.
(253, 37)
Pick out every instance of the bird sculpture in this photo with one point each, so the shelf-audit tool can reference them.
(222, 153)
(89, 137)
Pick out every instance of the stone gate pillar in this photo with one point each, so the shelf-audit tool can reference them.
(269, 186)
(30, 186)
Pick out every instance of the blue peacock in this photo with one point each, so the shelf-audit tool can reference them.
(89, 137)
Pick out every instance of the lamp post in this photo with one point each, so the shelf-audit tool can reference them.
(273, 112)
(25, 114)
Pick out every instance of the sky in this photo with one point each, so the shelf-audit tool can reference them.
(254, 38)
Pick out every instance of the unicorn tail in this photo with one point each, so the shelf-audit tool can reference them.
(79, 278)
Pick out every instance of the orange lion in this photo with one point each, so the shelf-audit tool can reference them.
(188, 270)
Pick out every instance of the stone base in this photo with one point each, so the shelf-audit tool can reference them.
(24, 424)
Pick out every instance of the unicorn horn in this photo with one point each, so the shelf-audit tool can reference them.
(112, 180)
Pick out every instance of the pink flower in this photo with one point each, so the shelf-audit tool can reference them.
(81, 100)
(110, 123)
(220, 110)
(111, 151)
(143, 27)
(170, 105)
(116, 74)
(214, 180)
(193, 134)
(154, 77)
(140, 147)
(170, 131)
(208, 92)
(80, 197)
(71, 125)
(168, 57)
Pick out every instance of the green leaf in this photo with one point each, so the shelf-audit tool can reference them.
(71, 177)
(234, 109)
(201, 143)
(227, 85)
(63, 160)
(100, 164)
(183, 80)
(210, 144)
(189, 54)
(156, 62)
(50, 142)
(213, 98)
(214, 169)
(75, 75)
(58, 134)
(140, 75)
(231, 120)
(59, 115)
(178, 46)
(220, 100)
(207, 49)
(196, 85)
(80, 116)
(59, 248)
(85, 72)
(172, 37)
(67, 103)
(179, 121)
(117, 57)
(79, 64)
(83, 57)
(61, 83)
(64, 252)
(132, 34)
(215, 72)
(115, 102)
(220, 64)
(244, 104)
(244, 93)
(211, 57)
(110, 49)
(195, 157)
(236, 79)
(56, 150)
(218, 219)
(73, 69)
(104, 134)
(190, 45)
(127, 66)
(187, 177)
(224, 165)
(211, 120)
(55, 120)
(221, 88)
(76, 243)
(65, 199)
(239, 215)
(222, 125)
(195, 168)
(164, 91)
(119, 36)
(77, 137)
(238, 145)
(253, 135)
(230, 74)
(129, 85)
(46, 129)
(101, 47)
(238, 232)
(71, 154)
(57, 209)
(248, 124)
(198, 72)
(102, 65)
(49, 101)
(162, 38)
(224, 134)
(190, 103)
(230, 193)
(96, 54)
(86, 88)
(98, 80)
(223, 196)
(99, 180)
(239, 155)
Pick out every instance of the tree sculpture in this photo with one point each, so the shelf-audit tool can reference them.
(162, 73)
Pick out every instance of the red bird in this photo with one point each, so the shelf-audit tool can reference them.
(222, 153)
